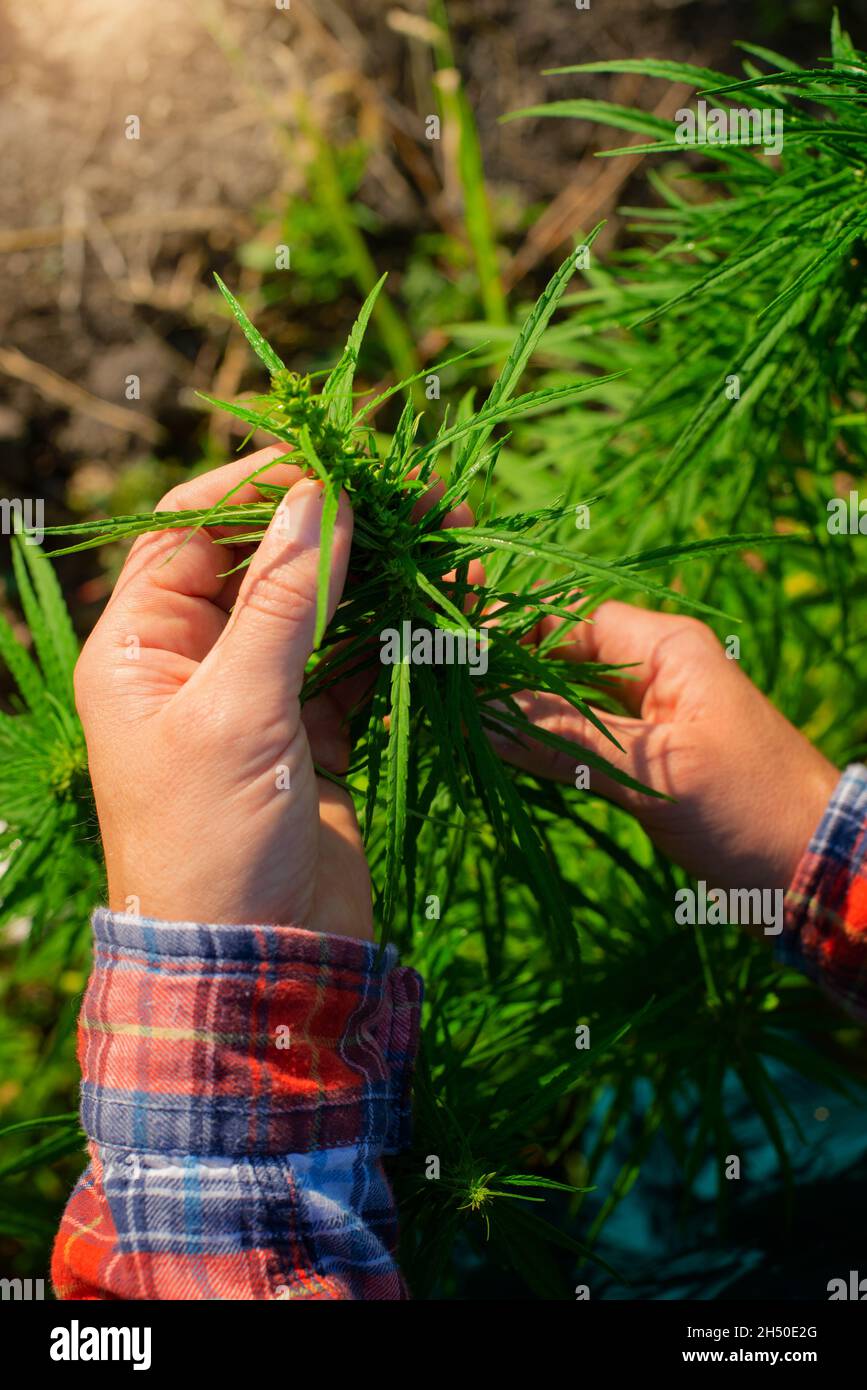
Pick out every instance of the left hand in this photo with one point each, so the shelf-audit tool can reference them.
(200, 756)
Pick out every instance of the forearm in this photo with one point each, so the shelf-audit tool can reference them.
(240, 1086)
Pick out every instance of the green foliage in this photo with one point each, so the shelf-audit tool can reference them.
(753, 269)
(322, 257)
(738, 319)
(531, 908)
(399, 563)
(456, 111)
(52, 877)
(46, 812)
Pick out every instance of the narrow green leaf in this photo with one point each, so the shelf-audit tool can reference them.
(611, 571)
(439, 598)
(262, 349)
(649, 67)
(522, 350)
(479, 426)
(601, 112)
(842, 47)
(337, 390)
(21, 667)
(53, 605)
(330, 504)
(396, 786)
(58, 679)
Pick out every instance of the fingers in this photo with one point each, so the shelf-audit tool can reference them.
(170, 599)
(614, 634)
(461, 515)
(209, 488)
(642, 757)
(665, 650)
(327, 734)
(265, 647)
(172, 594)
(195, 569)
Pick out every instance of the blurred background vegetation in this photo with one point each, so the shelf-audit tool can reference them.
(307, 129)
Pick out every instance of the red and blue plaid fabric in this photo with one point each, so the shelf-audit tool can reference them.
(825, 930)
(241, 1084)
(240, 1087)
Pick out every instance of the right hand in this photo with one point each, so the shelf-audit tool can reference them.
(748, 788)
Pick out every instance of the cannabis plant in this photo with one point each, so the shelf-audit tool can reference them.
(739, 321)
(535, 910)
(46, 815)
(421, 732)
(459, 844)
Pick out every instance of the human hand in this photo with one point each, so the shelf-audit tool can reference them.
(749, 789)
(201, 758)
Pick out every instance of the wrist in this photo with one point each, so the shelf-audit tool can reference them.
(816, 789)
(825, 932)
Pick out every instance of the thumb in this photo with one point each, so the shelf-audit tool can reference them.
(268, 640)
(642, 744)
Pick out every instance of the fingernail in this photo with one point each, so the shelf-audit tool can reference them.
(298, 518)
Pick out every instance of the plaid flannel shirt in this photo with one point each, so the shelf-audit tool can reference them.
(240, 1087)
(225, 1165)
(825, 926)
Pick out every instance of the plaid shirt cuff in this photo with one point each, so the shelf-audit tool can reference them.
(825, 932)
(240, 1041)
(240, 1086)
